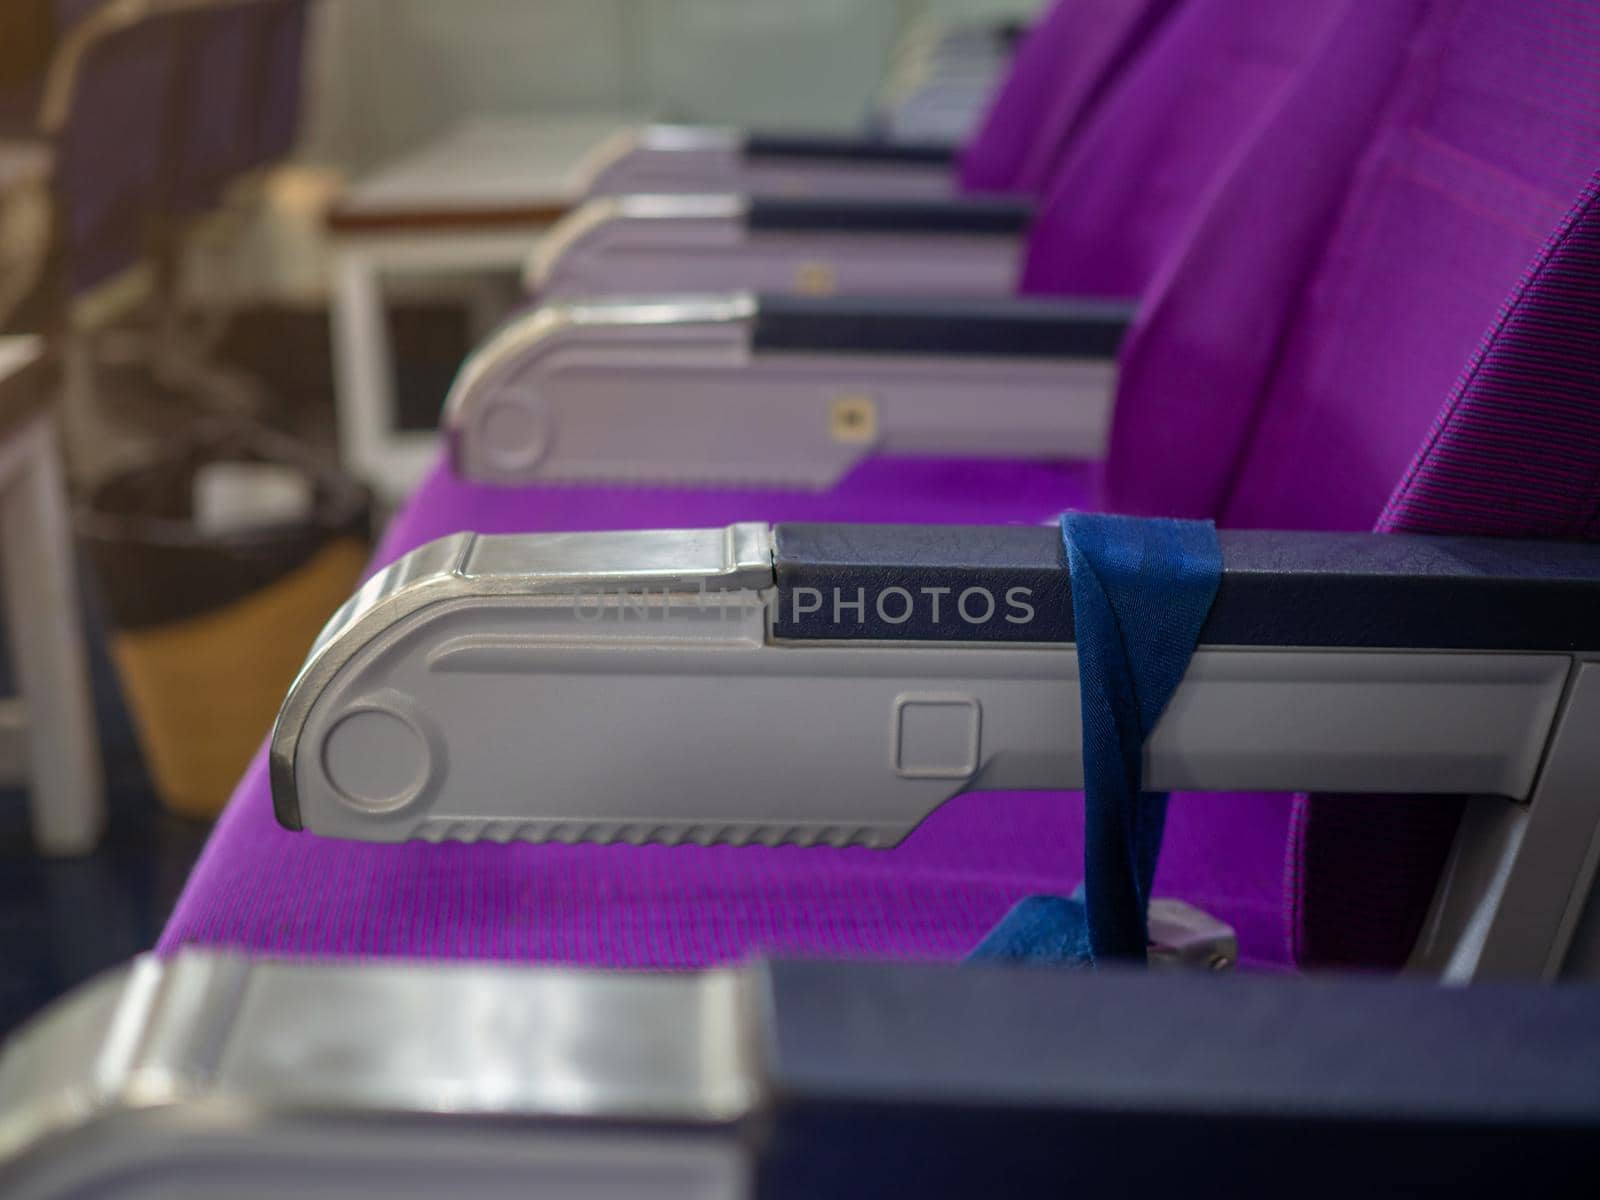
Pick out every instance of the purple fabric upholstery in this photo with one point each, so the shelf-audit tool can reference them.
(214, 125)
(110, 168)
(281, 87)
(166, 115)
(1495, 130)
(1515, 452)
(239, 98)
(1492, 127)
(1058, 72)
(1189, 376)
(1168, 126)
(1538, 366)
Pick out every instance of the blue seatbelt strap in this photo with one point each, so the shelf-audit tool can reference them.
(1141, 590)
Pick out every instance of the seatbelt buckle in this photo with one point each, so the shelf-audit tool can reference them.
(1183, 936)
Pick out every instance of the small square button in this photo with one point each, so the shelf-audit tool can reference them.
(936, 735)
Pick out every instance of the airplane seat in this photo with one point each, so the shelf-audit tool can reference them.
(1096, 236)
(812, 240)
(1065, 59)
(1132, 145)
(1223, 352)
(1369, 326)
(214, 111)
(282, 74)
(235, 116)
(940, 79)
(108, 114)
(1062, 65)
(1300, 454)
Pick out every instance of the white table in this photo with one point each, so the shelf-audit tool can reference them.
(47, 731)
(475, 200)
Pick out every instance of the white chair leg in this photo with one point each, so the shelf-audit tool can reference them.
(363, 364)
(50, 659)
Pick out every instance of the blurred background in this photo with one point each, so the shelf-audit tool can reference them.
(244, 247)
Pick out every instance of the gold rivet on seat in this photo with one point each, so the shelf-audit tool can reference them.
(815, 279)
(853, 418)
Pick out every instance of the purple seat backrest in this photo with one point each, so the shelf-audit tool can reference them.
(240, 98)
(282, 81)
(110, 156)
(214, 124)
(1139, 171)
(1290, 363)
(1315, 343)
(1514, 452)
(1057, 74)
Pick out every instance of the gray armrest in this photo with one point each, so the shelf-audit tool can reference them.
(1279, 588)
(839, 683)
(790, 1080)
(784, 391)
(645, 245)
(675, 159)
(920, 1080)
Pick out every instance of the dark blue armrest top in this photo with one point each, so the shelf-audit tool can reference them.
(1375, 591)
(1006, 328)
(956, 216)
(922, 1080)
(846, 147)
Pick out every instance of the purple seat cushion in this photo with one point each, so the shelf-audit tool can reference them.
(265, 890)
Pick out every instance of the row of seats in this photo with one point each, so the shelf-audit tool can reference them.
(651, 671)
(1315, 253)
(937, 85)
